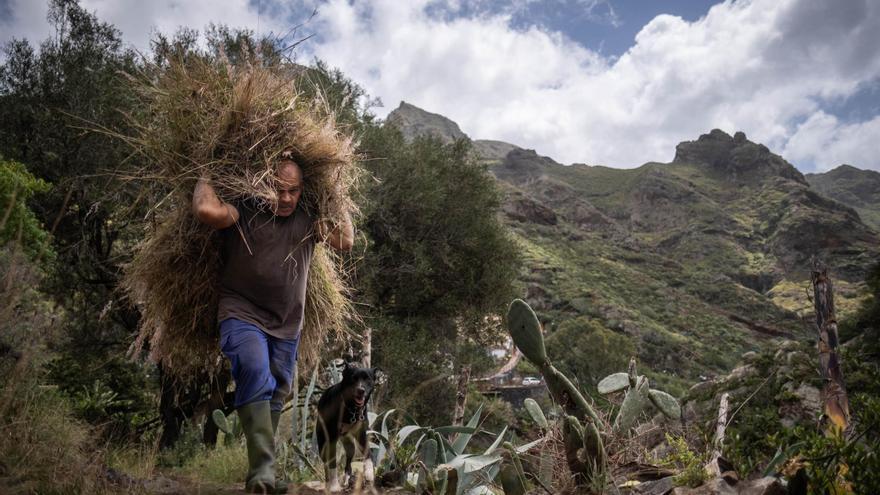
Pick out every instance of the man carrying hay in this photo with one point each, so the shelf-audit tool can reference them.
(266, 249)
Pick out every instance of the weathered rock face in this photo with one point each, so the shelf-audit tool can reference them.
(493, 150)
(521, 165)
(413, 121)
(527, 210)
(660, 202)
(736, 157)
(806, 223)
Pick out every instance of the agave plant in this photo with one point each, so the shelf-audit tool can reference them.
(441, 466)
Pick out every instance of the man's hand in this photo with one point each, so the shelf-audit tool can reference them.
(340, 237)
(210, 209)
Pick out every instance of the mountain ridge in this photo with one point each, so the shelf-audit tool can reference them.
(701, 258)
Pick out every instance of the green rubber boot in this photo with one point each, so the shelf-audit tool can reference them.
(280, 484)
(256, 421)
(276, 417)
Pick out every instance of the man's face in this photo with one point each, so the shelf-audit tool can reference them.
(288, 189)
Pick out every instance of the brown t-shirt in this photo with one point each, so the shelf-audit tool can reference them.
(265, 269)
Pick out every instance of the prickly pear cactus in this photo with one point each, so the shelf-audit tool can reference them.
(536, 413)
(634, 403)
(229, 425)
(584, 451)
(525, 330)
(512, 475)
(638, 396)
(573, 439)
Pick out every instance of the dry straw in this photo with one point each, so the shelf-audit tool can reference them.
(201, 116)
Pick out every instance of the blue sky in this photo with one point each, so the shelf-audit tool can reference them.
(608, 82)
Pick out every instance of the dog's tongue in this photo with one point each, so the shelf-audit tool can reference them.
(359, 401)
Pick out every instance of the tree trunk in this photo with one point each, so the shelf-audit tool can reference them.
(367, 351)
(834, 398)
(464, 376)
(177, 403)
(172, 420)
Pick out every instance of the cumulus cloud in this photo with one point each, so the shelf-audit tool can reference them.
(761, 66)
(823, 142)
(139, 20)
(771, 68)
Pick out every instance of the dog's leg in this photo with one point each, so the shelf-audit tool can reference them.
(369, 473)
(328, 455)
(364, 447)
(333, 480)
(348, 444)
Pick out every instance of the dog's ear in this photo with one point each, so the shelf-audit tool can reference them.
(347, 369)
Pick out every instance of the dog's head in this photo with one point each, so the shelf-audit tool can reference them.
(357, 384)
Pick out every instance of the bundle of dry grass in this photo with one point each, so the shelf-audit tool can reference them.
(201, 117)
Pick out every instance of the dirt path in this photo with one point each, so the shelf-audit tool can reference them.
(510, 365)
(173, 485)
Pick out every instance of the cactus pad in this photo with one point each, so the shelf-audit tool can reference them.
(614, 383)
(525, 329)
(220, 420)
(665, 403)
(635, 401)
(536, 413)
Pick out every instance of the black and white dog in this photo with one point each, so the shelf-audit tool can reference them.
(342, 414)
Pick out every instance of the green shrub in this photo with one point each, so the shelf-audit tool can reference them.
(584, 348)
(44, 448)
(826, 462)
(17, 222)
(690, 465)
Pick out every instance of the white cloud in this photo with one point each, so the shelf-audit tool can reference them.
(767, 67)
(138, 19)
(826, 142)
(760, 66)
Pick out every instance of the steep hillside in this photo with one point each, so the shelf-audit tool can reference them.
(697, 260)
(858, 189)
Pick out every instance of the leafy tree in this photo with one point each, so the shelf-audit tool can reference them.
(49, 97)
(437, 248)
(438, 262)
(588, 350)
(18, 223)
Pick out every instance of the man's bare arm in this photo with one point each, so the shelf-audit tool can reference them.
(210, 209)
(341, 237)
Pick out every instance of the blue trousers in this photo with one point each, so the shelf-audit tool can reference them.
(262, 365)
